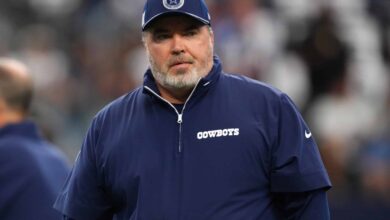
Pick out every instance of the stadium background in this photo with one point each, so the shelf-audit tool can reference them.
(332, 57)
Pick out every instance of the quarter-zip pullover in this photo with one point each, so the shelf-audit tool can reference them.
(235, 143)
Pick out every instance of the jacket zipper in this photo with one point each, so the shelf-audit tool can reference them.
(179, 115)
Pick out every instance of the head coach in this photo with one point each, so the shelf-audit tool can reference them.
(195, 143)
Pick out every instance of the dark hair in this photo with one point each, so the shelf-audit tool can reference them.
(17, 92)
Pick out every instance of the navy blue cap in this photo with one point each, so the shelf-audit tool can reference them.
(194, 8)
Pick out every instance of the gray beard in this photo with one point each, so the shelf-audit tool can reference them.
(181, 81)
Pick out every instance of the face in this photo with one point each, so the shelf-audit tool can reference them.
(180, 51)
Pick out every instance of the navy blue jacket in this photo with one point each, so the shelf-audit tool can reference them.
(226, 155)
(32, 173)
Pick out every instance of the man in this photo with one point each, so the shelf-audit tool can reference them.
(195, 143)
(32, 171)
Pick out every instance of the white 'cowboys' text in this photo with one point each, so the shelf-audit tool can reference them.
(218, 133)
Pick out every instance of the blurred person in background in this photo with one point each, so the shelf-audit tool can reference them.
(346, 108)
(32, 171)
(248, 37)
(195, 142)
(324, 54)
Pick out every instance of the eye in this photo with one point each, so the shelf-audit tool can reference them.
(191, 33)
(160, 36)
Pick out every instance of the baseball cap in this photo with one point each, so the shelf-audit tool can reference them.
(156, 8)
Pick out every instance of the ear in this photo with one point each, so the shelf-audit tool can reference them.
(144, 37)
(211, 32)
(3, 108)
(3, 105)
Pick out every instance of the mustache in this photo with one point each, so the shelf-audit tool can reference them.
(179, 59)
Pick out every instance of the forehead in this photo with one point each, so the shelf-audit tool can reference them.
(173, 21)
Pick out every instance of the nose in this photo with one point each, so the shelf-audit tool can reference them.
(178, 45)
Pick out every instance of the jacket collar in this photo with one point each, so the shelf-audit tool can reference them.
(26, 128)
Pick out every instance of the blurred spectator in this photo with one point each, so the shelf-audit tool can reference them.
(249, 37)
(31, 169)
(325, 54)
(340, 130)
(379, 9)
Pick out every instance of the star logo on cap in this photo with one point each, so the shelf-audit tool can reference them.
(173, 4)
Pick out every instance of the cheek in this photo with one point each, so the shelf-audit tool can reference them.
(203, 52)
(203, 47)
(157, 56)
(154, 57)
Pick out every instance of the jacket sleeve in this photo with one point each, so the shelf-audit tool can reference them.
(83, 195)
(304, 205)
(317, 207)
(296, 164)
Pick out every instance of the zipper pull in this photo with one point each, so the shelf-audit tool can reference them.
(179, 118)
